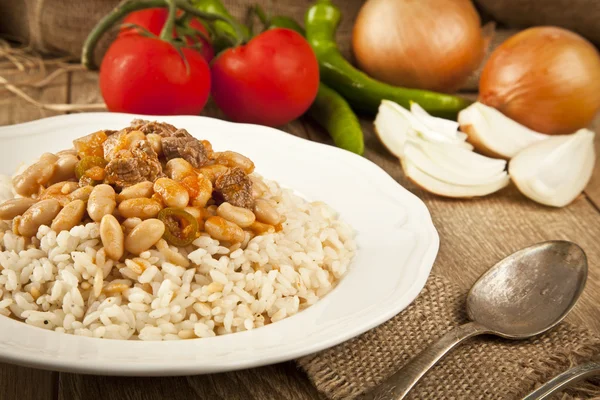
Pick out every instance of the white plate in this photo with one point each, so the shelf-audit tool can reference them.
(397, 245)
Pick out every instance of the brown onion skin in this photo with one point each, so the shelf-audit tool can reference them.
(545, 78)
(423, 44)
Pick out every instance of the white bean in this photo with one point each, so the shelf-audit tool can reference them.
(81, 193)
(30, 181)
(265, 212)
(172, 193)
(13, 207)
(242, 217)
(69, 216)
(144, 236)
(102, 201)
(112, 237)
(221, 229)
(155, 142)
(233, 159)
(140, 208)
(41, 213)
(65, 168)
(142, 189)
(178, 168)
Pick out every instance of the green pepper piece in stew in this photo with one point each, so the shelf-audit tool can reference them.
(180, 227)
(87, 163)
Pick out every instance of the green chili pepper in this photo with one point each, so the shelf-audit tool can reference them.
(330, 110)
(278, 21)
(180, 227)
(226, 34)
(334, 114)
(364, 93)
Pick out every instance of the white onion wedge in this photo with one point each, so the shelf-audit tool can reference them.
(442, 188)
(555, 171)
(396, 125)
(441, 125)
(494, 134)
(452, 157)
(392, 129)
(430, 159)
(419, 127)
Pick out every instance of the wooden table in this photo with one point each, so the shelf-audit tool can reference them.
(474, 235)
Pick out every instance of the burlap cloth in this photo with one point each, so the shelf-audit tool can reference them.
(483, 368)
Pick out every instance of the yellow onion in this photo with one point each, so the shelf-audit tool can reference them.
(545, 78)
(424, 44)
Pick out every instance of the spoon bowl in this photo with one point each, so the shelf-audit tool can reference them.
(530, 291)
(521, 296)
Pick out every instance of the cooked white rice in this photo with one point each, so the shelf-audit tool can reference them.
(64, 282)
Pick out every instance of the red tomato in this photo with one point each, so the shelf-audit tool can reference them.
(145, 75)
(270, 81)
(153, 20)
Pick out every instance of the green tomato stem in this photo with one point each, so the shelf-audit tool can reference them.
(129, 6)
(167, 29)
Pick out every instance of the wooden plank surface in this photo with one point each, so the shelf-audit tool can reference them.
(474, 235)
(277, 382)
(593, 188)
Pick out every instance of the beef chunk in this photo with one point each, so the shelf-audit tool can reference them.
(182, 133)
(136, 165)
(235, 187)
(159, 128)
(188, 148)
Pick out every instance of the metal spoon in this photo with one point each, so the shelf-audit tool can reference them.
(523, 295)
(563, 380)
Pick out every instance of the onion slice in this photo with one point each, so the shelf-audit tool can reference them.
(435, 156)
(494, 134)
(392, 128)
(457, 174)
(458, 160)
(445, 126)
(441, 188)
(395, 125)
(555, 171)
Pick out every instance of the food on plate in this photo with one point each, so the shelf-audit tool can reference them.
(493, 133)
(408, 43)
(556, 170)
(271, 80)
(149, 233)
(545, 78)
(363, 92)
(434, 154)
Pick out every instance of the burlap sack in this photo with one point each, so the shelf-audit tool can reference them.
(581, 16)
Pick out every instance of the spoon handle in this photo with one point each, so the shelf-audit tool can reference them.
(563, 380)
(398, 385)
